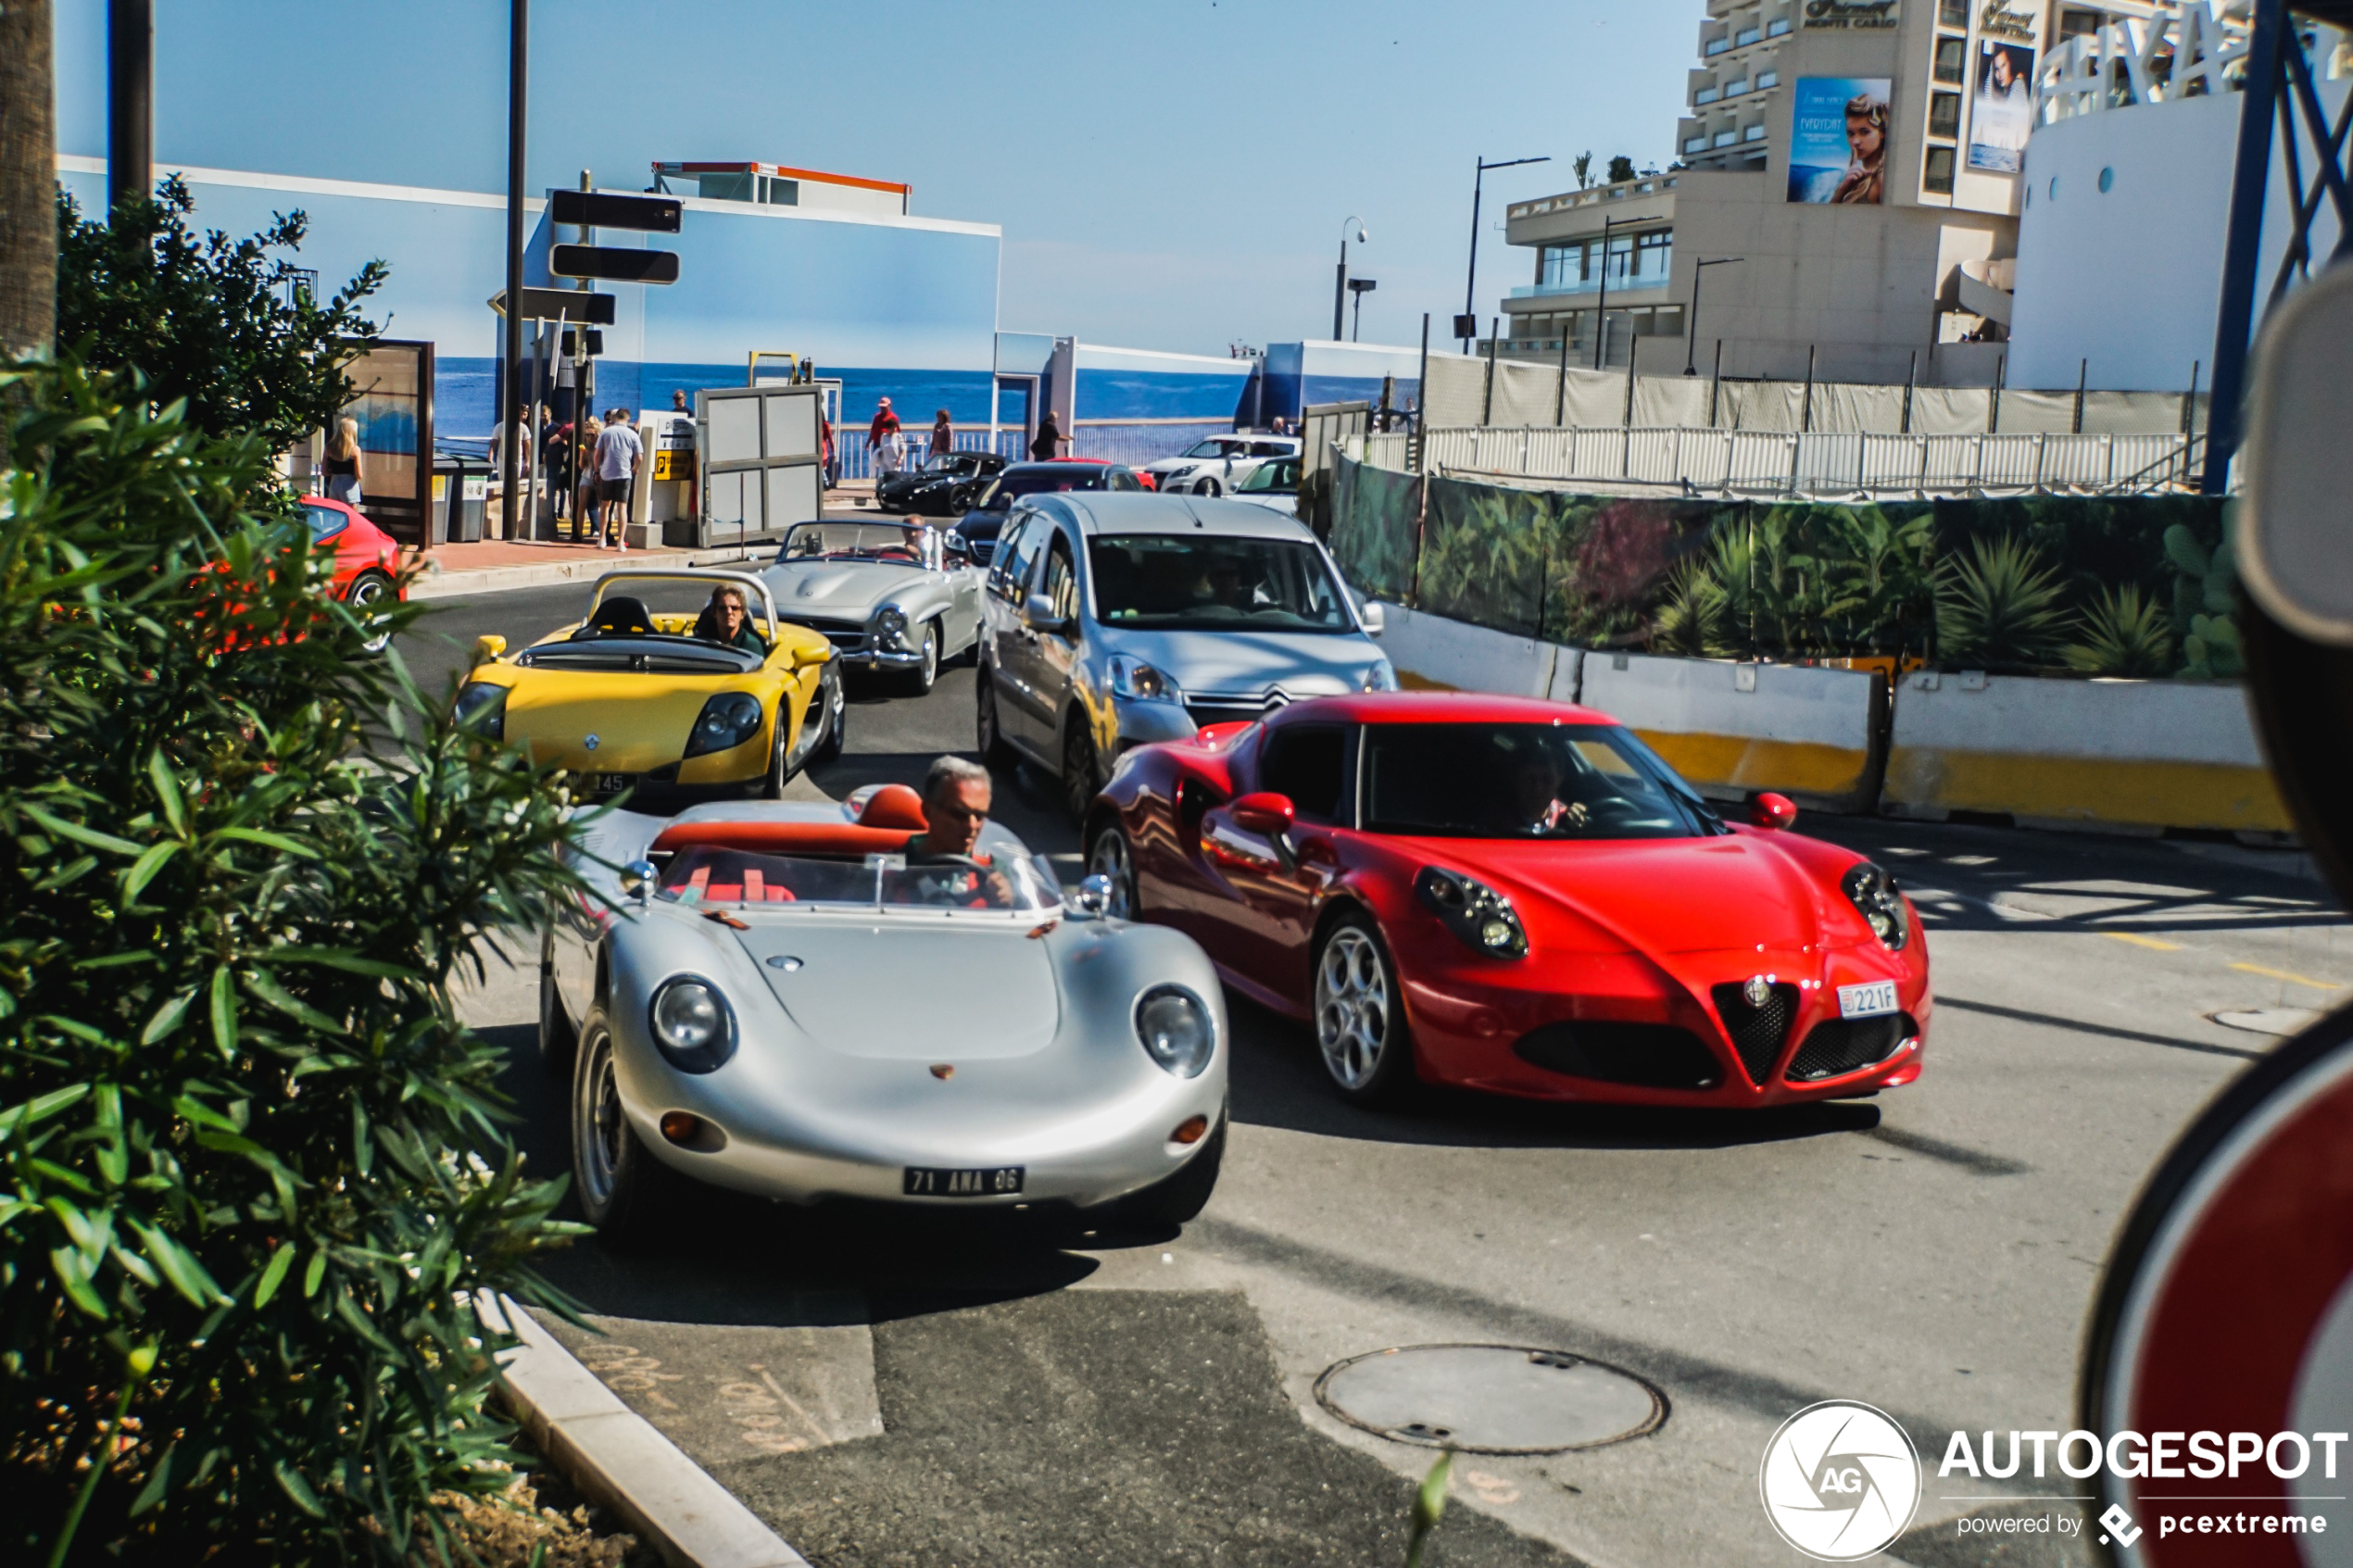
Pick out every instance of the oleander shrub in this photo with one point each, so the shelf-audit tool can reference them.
(251, 1163)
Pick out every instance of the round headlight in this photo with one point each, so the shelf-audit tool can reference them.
(891, 622)
(1877, 898)
(692, 1027)
(1176, 1030)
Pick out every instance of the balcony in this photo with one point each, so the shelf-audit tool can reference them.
(1695, 145)
(1748, 36)
(1734, 89)
(1704, 96)
(1767, 79)
(1725, 139)
(1777, 28)
(1716, 46)
(1754, 134)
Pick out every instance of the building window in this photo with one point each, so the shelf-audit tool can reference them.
(1945, 114)
(1777, 28)
(1667, 322)
(1937, 174)
(1953, 13)
(1767, 79)
(1952, 59)
(1706, 95)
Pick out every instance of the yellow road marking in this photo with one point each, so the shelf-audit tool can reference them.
(2284, 974)
(2143, 941)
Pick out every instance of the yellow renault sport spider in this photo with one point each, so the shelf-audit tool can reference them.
(628, 697)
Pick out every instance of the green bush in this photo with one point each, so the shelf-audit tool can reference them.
(1999, 609)
(251, 1164)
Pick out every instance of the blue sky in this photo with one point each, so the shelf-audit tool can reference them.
(1168, 173)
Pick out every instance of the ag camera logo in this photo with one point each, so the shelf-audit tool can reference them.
(1840, 1481)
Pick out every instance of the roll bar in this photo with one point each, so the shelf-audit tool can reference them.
(744, 579)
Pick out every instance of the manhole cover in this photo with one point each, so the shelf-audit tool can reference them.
(2282, 1021)
(1489, 1398)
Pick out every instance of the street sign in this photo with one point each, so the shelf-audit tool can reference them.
(1465, 326)
(559, 304)
(614, 263)
(603, 209)
(596, 344)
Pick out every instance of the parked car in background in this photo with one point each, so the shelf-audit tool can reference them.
(795, 1001)
(1273, 484)
(1117, 619)
(367, 558)
(1220, 464)
(946, 485)
(903, 598)
(982, 523)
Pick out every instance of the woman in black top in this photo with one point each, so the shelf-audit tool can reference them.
(342, 463)
(1048, 445)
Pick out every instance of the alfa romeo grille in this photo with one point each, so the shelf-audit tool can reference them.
(1758, 1032)
(1848, 1045)
(1655, 1056)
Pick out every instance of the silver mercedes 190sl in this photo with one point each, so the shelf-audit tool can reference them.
(891, 597)
(784, 998)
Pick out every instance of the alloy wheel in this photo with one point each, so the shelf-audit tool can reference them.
(599, 1125)
(1352, 1007)
(1109, 859)
(1078, 772)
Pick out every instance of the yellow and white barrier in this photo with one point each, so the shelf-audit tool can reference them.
(1735, 729)
(2121, 754)
(1433, 653)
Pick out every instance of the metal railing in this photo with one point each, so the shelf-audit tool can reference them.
(1787, 462)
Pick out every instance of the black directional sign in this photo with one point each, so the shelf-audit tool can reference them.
(604, 209)
(614, 263)
(559, 304)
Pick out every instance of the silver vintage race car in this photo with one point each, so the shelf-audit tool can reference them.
(900, 597)
(779, 997)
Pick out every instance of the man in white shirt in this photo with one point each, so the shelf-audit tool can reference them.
(618, 453)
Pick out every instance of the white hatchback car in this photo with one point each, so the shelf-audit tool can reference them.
(1217, 465)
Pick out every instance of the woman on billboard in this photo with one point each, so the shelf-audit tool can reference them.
(2003, 115)
(1866, 180)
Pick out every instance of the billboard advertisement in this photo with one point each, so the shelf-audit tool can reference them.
(1838, 140)
(2002, 108)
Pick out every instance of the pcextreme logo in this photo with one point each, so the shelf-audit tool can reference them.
(1840, 1481)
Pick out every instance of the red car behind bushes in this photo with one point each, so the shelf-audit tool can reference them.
(1517, 897)
(367, 558)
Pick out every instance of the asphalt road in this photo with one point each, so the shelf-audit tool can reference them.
(1148, 1398)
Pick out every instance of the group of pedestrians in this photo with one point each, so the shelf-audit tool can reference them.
(887, 442)
(599, 500)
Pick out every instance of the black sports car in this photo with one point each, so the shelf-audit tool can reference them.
(945, 486)
(982, 524)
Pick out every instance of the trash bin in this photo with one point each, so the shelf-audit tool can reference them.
(460, 493)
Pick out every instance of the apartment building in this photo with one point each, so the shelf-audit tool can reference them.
(1850, 172)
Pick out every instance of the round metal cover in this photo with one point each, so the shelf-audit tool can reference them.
(1489, 1398)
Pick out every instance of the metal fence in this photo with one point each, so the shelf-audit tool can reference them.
(1133, 445)
(1783, 462)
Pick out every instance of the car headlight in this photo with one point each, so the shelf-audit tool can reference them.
(1871, 889)
(1482, 918)
(1139, 682)
(890, 624)
(1381, 677)
(692, 1026)
(726, 720)
(1175, 1028)
(481, 707)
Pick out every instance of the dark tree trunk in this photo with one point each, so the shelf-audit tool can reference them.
(28, 182)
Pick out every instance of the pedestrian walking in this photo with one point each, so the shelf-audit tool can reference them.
(885, 446)
(1048, 442)
(342, 463)
(618, 454)
(828, 473)
(592, 430)
(943, 435)
(555, 451)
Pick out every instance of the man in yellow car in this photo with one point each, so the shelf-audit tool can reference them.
(726, 620)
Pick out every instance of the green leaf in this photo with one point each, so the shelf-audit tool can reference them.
(264, 985)
(297, 1489)
(142, 871)
(79, 834)
(336, 958)
(277, 841)
(167, 1018)
(158, 1483)
(166, 787)
(275, 1275)
(224, 1012)
(17, 1117)
(314, 1274)
(73, 1273)
(178, 1266)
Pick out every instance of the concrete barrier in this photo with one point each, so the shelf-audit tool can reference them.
(2130, 755)
(1733, 730)
(1433, 653)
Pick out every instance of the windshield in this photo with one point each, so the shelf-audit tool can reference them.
(948, 462)
(1042, 480)
(1523, 780)
(325, 522)
(853, 541)
(1189, 583)
(1217, 448)
(1281, 475)
(733, 877)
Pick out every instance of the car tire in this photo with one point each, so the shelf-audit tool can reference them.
(557, 1039)
(926, 674)
(1208, 487)
(1111, 856)
(1080, 782)
(1179, 1199)
(996, 751)
(626, 1193)
(1358, 1014)
(837, 717)
(367, 596)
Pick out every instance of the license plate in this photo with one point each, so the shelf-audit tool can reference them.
(925, 1181)
(613, 783)
(1867, 1001)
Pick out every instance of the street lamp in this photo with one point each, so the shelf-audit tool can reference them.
(1339, 286)
(1360, 287)
(1691, 328)
(1466, 323)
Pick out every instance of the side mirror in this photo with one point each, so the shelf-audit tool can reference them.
(489, 646)
(1772, 812)
(1093, 897)
(1038, 614)
(1375, 622)
(956, 547)
(637, 879)
(1264, 813)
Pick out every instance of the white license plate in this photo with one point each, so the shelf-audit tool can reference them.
(1867, 1001)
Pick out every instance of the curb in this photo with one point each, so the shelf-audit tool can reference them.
(578, 569)
(616, 1458)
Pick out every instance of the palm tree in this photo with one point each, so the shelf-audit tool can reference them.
(28, 182)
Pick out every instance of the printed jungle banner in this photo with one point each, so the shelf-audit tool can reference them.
(1838, 140)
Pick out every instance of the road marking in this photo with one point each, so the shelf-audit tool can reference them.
(2143, 941)
(2284, 974)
